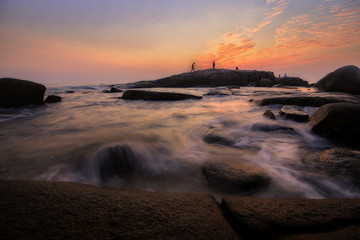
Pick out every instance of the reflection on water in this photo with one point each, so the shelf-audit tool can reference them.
(158, 146)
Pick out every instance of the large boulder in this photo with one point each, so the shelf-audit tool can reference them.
(235, 176)
(156, 96)
(345, 79)
(339, 121)
(293, 113)
(17, 93)
(341, 161)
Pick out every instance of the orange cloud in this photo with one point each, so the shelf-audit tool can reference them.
(305, 38)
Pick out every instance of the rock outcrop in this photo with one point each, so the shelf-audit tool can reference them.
(345, 79)
(113, 90)
(17, 93)
(208, 78)
(293, 113)
(156, 96)
(235, 176)
(339, 121)
(291, 81)
(341, 162)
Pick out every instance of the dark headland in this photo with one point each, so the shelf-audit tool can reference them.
(48, 210)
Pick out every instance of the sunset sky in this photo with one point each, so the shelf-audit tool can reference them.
(59, 42)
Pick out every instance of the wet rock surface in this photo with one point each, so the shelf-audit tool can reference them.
(269, 114)
(235, 176)
(293, 113)
(341, 162)
(17, 93)
(216, 135)
(339, 121)
(156, 96)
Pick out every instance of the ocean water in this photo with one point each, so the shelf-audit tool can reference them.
(159, 146)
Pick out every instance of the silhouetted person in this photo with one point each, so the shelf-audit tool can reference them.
(213, 64)
(193, 67)
(285, 76)
(237, 68)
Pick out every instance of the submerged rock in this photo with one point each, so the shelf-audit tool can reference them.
(218, 92)
(17, 93)
(343, 162)
(53, 99)
(345, 79)
(265, 127)
(293, 113)
(156, 96)
(269, 114)
(216, 135)
(235, 177)
(339, 121)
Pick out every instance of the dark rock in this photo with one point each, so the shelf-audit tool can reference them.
(70, 92)
(265, 83)
(218, 92)
(293, 113)
(260, 218)
(235, 176)
(47, 210)
(269, 114)
(216, 135)
(345, 79)
(17, 93)
(112, 90)
(208, 78)
(265, 127)
(156, 96)
(339, 121)
(305, 101)
(343, 162)
(53, 99)
(291, 81)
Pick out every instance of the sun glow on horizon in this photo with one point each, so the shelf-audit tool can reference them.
(138, 40)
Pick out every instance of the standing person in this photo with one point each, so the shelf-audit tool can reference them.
(213, 64)
(193, 67)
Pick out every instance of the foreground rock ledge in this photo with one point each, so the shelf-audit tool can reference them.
(44, 210)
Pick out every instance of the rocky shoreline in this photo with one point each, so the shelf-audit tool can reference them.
(48, 210)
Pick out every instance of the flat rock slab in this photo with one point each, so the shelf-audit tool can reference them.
(256, 218)
(44, 210)
(293, 113)
(156, 96)
(306, 100)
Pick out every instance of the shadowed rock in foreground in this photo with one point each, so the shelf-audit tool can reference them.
(44, 210)
(17, 93)
(156, 96)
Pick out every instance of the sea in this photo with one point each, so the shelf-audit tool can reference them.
(160, 144)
